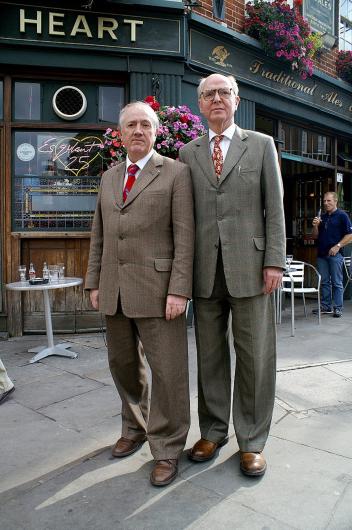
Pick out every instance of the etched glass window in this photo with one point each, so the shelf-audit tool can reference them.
(56, 177)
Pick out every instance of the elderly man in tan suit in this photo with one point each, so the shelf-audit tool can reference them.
(239, 258)
(140, 276)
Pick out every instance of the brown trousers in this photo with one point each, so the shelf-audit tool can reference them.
(164, 342)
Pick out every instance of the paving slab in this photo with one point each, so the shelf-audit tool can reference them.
(85, 410)
(312, 388)
(56, 389)
(33, 445)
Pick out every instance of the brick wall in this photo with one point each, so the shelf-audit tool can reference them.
(234, 19)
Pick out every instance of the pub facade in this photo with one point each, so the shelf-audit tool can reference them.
(67, 69)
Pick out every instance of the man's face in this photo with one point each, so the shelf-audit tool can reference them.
(137, 132)
(219, 111)
(330, 203)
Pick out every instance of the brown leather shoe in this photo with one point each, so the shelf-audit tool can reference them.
(205, 450)
(252, 464)
(125, 447)
(164, 472)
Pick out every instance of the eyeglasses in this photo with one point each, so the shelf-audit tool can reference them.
(224, 93)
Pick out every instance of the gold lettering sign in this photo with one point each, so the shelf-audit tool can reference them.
(281, 78)
(57, 26)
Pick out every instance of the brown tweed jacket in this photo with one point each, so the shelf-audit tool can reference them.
(142, 250)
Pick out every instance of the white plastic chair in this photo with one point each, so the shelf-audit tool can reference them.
(293, 283)
(347, 265)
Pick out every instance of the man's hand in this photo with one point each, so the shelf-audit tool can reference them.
(316, 221)
(175, 306)
(94, 298)
(272, 279)
(334, 250)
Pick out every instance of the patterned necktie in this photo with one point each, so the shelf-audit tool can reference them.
(131, 179)
(217, 156)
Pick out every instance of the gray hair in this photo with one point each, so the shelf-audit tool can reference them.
(154, 118)
(232, 80)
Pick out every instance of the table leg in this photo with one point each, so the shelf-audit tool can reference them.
(51, 349)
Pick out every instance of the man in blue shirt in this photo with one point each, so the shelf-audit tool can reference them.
(333, 230)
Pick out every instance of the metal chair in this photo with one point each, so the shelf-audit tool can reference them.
(347, 265)
(293, 282)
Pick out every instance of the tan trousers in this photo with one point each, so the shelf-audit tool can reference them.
(165, 347)
(253, 328)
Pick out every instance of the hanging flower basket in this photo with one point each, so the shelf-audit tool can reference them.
(344, 65)
(283, 33)
(178, 126)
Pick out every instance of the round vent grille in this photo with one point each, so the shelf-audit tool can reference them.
(69, 103)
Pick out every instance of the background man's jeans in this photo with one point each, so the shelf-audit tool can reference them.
(331, 270)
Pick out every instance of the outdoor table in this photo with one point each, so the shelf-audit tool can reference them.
(51, 348)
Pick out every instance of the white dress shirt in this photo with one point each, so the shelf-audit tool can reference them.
(140, 163)
(225, 142)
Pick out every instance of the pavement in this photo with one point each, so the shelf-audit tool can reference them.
(57, 428)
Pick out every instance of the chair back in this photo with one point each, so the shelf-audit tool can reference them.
(296, 273)
(347, 264)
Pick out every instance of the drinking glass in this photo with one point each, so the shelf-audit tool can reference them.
(22, 269)
(53, 273)
(289, 259)
(61, 271)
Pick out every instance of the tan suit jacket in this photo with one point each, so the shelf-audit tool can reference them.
(142, 250)
(243, 211)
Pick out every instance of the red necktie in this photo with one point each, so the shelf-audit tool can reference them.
(217, 156)
(131, 179)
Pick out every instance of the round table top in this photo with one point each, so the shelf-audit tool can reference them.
(26, 286)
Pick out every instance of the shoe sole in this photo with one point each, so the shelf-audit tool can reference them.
(253, 473)
(205, 459)
(164, 483)
(127, 453)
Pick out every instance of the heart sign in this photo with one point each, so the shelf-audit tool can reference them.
(73, 153)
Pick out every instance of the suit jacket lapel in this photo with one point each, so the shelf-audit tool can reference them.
(117, 184)
(150, 171)
(204, 159)
(236, 150)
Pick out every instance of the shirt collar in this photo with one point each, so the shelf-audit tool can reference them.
(142, 162)
(229, 132)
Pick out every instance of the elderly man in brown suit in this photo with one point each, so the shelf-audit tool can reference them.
(140, 276)
(239, 258)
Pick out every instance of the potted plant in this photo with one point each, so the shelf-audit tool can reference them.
(283, 33)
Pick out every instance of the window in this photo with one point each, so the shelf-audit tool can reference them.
(219, 9)
(111, 101)
(307, 144)
(345, 42)
(56, 176)
(27, 101)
